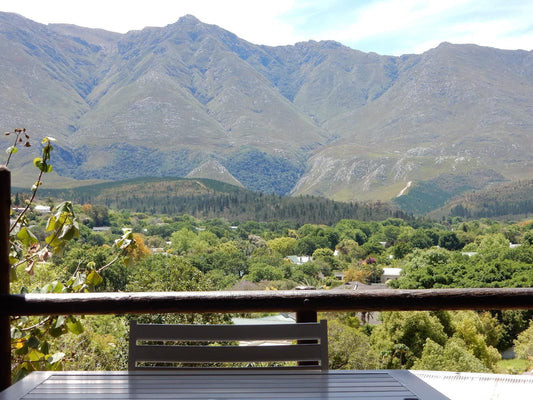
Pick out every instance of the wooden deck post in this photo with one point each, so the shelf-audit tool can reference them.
(5, 334)
(306, 316)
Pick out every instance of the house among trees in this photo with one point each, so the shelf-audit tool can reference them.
(42, 209)
(299, 260)
(390, 274)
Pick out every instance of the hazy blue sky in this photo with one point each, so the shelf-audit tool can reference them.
(384, 26)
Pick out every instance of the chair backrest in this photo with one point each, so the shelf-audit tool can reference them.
(171, 346)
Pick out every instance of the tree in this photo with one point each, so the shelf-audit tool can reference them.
(141, 250)
(373, 247)
(357, 274)
(349, 348)
(183, 240)
(326, 257)
(420, 240)
(285, 246)
(400, 250)
(98, 214)
(391, 233)
(264, 272)
(349, 251)
(450, 241)
(470, 328)
(402, 336)
(492, 245)
(307, 245)
(453, 356)
(524, 344)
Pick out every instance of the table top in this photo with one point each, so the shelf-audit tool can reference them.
(215, 384)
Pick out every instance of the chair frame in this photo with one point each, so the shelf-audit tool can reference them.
(309, 344)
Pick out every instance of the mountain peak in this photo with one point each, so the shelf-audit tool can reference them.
(189, 20)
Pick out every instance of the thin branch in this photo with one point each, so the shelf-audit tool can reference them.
(114, 260)
(40, 323)
(37, 184)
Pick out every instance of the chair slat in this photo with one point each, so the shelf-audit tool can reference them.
(228, 332)
(206, 354)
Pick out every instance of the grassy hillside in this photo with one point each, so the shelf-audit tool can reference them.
(509, 199)
(429, 195)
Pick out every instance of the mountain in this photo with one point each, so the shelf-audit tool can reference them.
(315, 118)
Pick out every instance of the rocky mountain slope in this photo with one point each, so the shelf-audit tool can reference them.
(314, 118)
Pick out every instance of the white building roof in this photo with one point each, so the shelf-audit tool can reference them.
(392, 271)
(473, 386)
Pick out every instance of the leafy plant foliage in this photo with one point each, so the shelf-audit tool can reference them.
(32, 337)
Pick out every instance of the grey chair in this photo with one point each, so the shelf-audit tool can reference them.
(175, 346)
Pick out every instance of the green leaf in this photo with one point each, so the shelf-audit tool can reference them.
(26, 237)
(45, 347)
(12, 271)
(56, 332)
(94, 278)
(59, 322)
(22, 351)
(56, 243)
(11, 150)
(33, 342)
(50, 224)
(34, 355)
(74, 326)
(79, 282)
(55, 287)
(56, 357)
(68, 232)
(16, 333)
(42, 165)
(58, 328)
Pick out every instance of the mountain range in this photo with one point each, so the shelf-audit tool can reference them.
(192, 99)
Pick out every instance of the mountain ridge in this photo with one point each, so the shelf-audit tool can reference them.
(313, 118)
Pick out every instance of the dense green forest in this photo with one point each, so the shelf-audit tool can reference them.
(204, 198)
(461, 197)
(512, 198)
(429, 195)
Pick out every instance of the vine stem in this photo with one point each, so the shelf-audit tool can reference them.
(37, 184)
(17, 133)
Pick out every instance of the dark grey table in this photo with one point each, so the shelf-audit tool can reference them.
(223, 384)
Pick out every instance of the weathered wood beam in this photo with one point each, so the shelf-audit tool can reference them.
(262, 301)
(5, 332)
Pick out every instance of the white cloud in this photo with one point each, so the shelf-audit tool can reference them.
(383, 26)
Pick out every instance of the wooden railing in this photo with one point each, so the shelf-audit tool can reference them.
(306, 303)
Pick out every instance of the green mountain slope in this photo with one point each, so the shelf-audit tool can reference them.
(423, 197)
(208, 198)
(509, 199)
